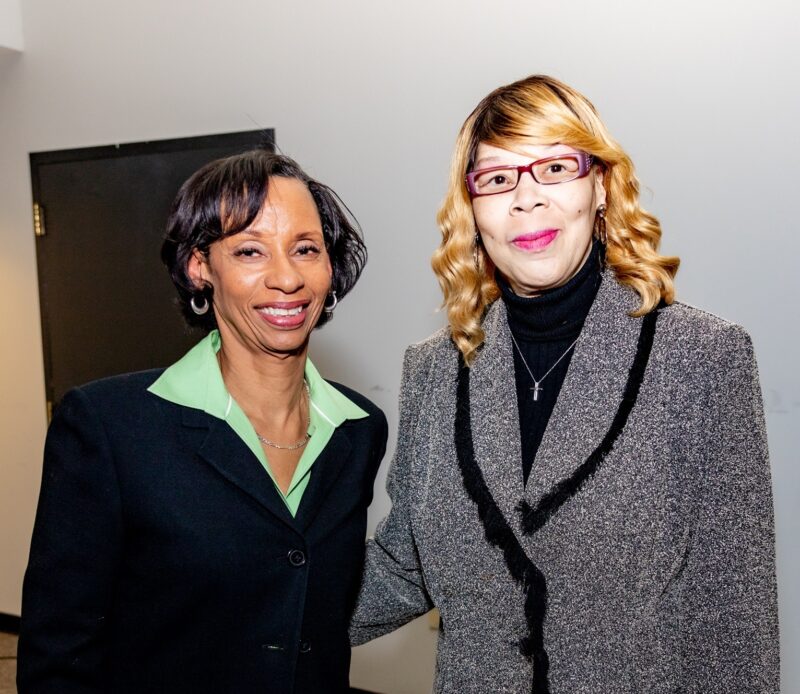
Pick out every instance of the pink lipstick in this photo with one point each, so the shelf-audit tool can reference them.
(535, 241)
(283, 314)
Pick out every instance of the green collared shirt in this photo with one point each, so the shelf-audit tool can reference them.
(196, 381)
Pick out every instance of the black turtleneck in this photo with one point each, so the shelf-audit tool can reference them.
(544, 327)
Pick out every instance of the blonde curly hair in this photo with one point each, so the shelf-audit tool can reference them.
(541, 110)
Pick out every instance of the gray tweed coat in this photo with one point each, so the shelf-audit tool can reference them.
(659, 570)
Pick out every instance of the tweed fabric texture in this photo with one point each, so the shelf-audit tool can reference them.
(660, 571)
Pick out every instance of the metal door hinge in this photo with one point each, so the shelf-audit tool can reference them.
(38, 220)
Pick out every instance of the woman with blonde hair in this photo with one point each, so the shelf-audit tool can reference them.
(581, 483)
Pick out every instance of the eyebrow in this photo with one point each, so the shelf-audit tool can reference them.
(261, 232)
(499, 161)
(480, 163)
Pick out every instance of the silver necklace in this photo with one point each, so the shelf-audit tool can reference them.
(536, 387)
(297, 444)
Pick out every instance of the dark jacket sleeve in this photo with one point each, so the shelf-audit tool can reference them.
(76, 540)
(730, 618)
(393, 587)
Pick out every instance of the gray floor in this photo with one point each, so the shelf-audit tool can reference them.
(8, 663)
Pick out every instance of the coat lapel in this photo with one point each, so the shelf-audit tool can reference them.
(494, 414)
(220, 447)
(592, 390)
(326, 469)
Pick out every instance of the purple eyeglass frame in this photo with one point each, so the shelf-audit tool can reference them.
(585, 162)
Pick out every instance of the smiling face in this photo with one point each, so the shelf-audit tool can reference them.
(270, 281)
(538, 236)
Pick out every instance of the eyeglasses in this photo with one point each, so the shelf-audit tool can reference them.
(561, 168)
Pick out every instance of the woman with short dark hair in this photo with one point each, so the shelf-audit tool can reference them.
(200, 528)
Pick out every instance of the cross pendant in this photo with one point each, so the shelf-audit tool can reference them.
(536, 388)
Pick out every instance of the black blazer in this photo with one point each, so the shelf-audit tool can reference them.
(163, 559)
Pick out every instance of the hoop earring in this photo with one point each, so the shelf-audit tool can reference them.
(600, 225)
(329, 307)
(199, 309)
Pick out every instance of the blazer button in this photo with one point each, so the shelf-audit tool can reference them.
(296, 557)
(305, 647)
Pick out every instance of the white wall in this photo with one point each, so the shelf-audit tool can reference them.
(11, 25)
(369, 95)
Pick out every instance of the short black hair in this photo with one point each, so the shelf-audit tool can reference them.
(225, 196)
